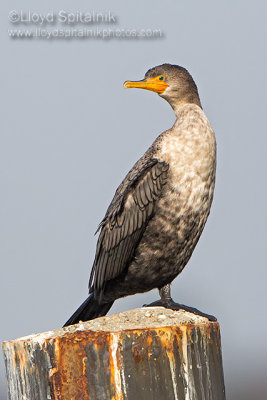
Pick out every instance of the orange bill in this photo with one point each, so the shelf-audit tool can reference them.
(156, 84)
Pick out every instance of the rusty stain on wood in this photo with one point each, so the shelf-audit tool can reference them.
(179, 361)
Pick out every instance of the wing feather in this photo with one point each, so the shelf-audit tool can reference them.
(125, 221)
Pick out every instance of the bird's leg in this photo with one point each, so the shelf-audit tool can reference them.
(167, 302)
(165, 293)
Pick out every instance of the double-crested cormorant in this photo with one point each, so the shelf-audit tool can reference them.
(159, 210)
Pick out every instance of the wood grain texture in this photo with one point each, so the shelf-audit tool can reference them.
(143, 354)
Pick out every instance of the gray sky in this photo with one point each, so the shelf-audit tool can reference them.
(70, 133)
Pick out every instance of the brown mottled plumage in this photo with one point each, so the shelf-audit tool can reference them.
(160, 209)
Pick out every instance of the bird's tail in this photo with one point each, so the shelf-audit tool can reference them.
(89, 309)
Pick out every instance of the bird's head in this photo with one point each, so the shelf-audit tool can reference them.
(172, 82)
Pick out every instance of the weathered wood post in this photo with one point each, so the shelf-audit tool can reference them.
(143, 354)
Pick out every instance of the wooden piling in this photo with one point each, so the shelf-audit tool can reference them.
(142, 354)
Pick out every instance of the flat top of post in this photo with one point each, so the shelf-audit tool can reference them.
(139, 318)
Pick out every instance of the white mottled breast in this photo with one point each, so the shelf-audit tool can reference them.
(189, 148)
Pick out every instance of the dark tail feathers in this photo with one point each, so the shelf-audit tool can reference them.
(89, 309)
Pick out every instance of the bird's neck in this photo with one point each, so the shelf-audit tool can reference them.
(186, 110)
(186, 98)
(178, 107)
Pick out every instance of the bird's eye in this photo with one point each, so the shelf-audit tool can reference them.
(161, 78)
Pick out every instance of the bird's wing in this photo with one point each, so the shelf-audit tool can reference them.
(125, 222)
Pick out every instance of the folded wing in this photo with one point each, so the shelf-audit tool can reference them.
(125, 222)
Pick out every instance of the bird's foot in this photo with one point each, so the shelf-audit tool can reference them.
(169, 303)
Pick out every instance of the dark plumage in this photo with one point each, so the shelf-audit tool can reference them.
(159, 211)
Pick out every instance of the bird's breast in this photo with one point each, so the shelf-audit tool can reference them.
(181, 212)
(190, 150)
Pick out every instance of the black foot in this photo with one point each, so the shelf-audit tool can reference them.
(169, 303)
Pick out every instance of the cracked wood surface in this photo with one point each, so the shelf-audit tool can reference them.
(143, 354)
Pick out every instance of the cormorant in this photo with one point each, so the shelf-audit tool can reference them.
(160, 209)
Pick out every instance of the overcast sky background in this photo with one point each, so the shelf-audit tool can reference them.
(70, 133)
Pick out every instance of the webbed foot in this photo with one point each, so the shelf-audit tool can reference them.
(169, 303)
